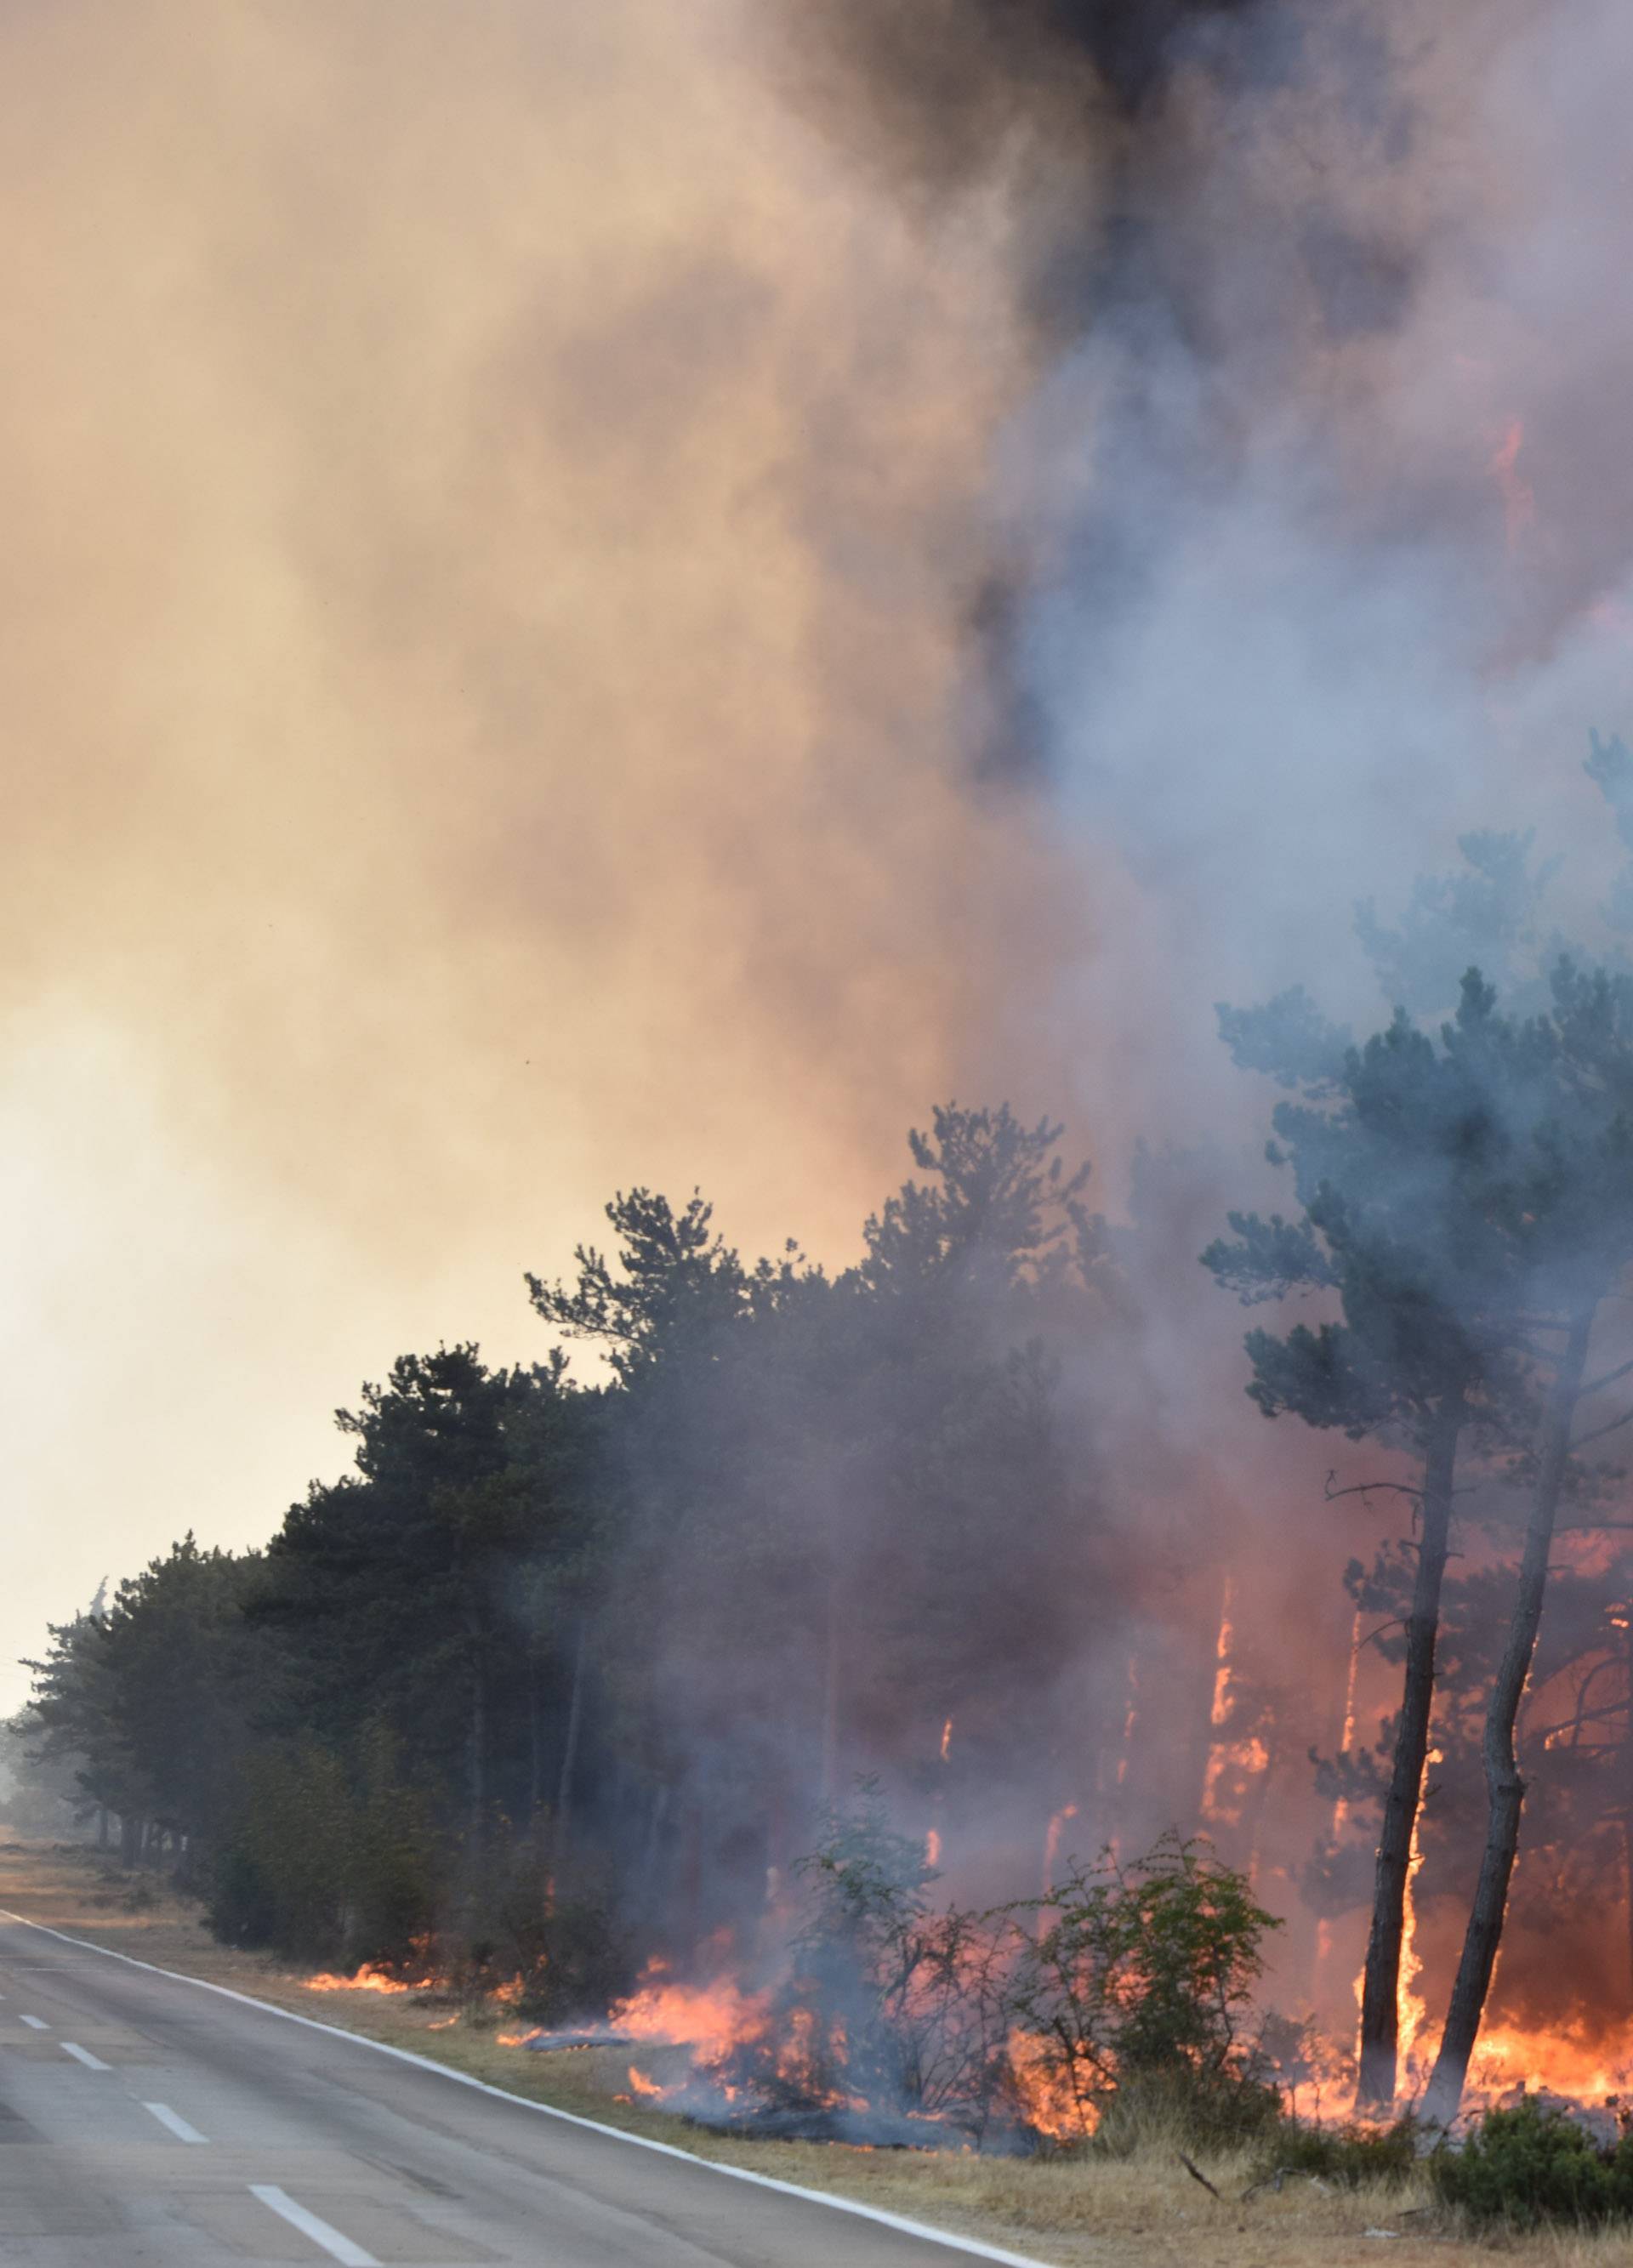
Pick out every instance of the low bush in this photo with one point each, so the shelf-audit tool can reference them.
(1347, 2156)
(1180, 2108)
(1135, 1989)
(1532, 2164)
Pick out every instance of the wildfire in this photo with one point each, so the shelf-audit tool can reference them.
(710, 2019)
(1237, 1761)
(1340, 1809)
(1051, 1843)
(1046, 2097)
(1553, 2062)
(1411, 2011)
(1221, 1655)
(369, 1979)
(933, 1848)
(946, 1738)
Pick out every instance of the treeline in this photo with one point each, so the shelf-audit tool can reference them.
(559, 1661)
(556, 1660)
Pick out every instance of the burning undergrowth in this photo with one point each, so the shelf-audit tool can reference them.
(893, 2023)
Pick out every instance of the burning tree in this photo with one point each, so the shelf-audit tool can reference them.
(1563, 1196)
(1391, 1147)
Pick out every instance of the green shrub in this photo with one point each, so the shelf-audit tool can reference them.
(281, 1875)
(1532, 2164)
(1344, 2156)
(319, 1870)
(1136, 1987)
(1223, 2110)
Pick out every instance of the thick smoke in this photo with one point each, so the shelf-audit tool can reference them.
(1310, 551)
(491, 506)
(631, 593)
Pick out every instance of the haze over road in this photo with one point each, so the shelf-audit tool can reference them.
(147, 2119)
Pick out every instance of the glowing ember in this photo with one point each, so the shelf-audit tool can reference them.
(933, 1849)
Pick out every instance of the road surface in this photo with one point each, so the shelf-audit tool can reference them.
(145, 2119)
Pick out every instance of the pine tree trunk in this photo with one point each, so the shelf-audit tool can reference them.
(831, 1702)
(536, 1734)
(570, 1747)
(477, 1737)
(1380, 1991)
(1505, 1790)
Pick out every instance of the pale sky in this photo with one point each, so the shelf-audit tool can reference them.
(488, 500)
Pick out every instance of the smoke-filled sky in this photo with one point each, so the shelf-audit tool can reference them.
(638, 593)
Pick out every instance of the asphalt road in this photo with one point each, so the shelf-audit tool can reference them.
(147, 2119)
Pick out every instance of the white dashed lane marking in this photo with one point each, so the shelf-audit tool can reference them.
(34, 2023)
(177, 2125)
(84, 2056)
(337, 2247)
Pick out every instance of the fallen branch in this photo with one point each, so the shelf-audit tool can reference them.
(1197, 2177)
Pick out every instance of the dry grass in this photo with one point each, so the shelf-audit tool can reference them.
(1141, 2212)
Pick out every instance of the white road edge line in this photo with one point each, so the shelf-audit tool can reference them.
(177, 2125)
(971, 2246)
(338, 2247)
(84, 2056)
(34, 2023)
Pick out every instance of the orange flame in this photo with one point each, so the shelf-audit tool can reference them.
(1051, 1843)
(1411, 2012)
(1556, 2062)
(946, 1738)
(709, 2017)
(1047, 2098)
(367, 1979)
(1221, 1655)
(1340, 1809)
